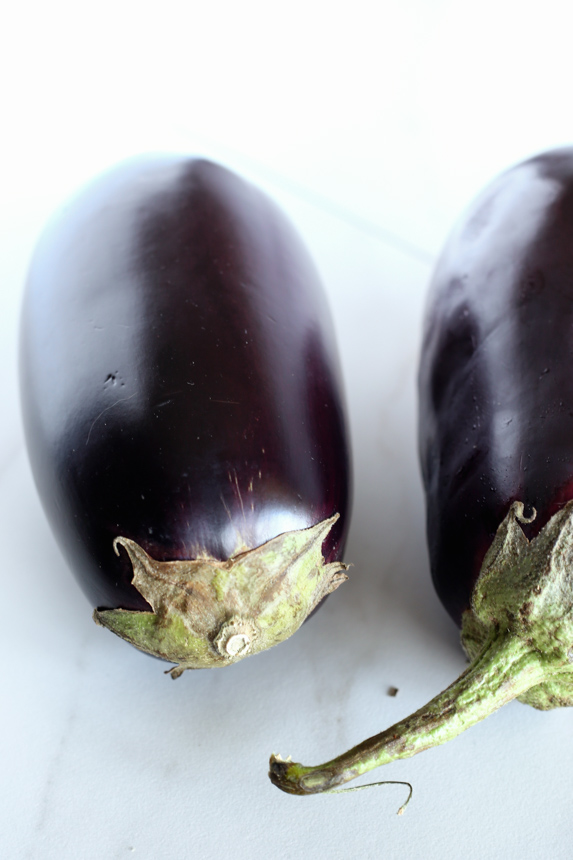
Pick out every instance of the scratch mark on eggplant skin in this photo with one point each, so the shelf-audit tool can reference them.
(96, 419)
(226, 508)
(240, 496)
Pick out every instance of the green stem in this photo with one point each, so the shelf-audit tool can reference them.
(505, 669)
(518, 634)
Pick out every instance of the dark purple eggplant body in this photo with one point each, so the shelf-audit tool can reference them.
(180, 380)
(496, 445)
(496, 370)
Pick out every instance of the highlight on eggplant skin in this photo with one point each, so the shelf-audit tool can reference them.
(183, 410)
(496, 448)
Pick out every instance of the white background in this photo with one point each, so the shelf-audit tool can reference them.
(373, 125)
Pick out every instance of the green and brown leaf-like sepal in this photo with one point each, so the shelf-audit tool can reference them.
(209, 613)
(525, 588)
(518, 635)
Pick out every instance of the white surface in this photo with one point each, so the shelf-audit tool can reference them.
(372, 125)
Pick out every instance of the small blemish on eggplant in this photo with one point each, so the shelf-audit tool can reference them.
(533, 284)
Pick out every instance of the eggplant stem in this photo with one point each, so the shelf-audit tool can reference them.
(504, 670)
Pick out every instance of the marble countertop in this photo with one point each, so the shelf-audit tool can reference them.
(372, 130)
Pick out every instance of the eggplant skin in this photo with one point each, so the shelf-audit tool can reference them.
(496, 370)
(179, 375)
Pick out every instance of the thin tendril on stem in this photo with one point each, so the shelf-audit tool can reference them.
(371, 785)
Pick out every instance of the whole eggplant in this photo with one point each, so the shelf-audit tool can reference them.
(183, 410)
(496, 446)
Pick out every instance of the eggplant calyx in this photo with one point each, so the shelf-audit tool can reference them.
(209, 613)
(526, 587)
(518, 635)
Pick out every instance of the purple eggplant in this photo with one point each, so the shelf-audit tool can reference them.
(183, 411)
(496, 445)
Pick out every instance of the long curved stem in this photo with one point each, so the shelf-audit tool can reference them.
(505, 668)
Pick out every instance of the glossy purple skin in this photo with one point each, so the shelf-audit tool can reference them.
(180, 379)
(496, 372)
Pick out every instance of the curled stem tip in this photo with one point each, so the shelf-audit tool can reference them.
(295, 778)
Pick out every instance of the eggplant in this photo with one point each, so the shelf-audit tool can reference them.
(496, 449)
(183, 410)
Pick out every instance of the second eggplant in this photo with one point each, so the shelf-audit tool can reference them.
(496, 446)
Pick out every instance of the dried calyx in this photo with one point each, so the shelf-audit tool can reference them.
(209, 613)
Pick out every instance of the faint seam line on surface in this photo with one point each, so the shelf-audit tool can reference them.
(15, 451)
(96, 419)
(54, 765)
(327, 205)
(356, 221)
